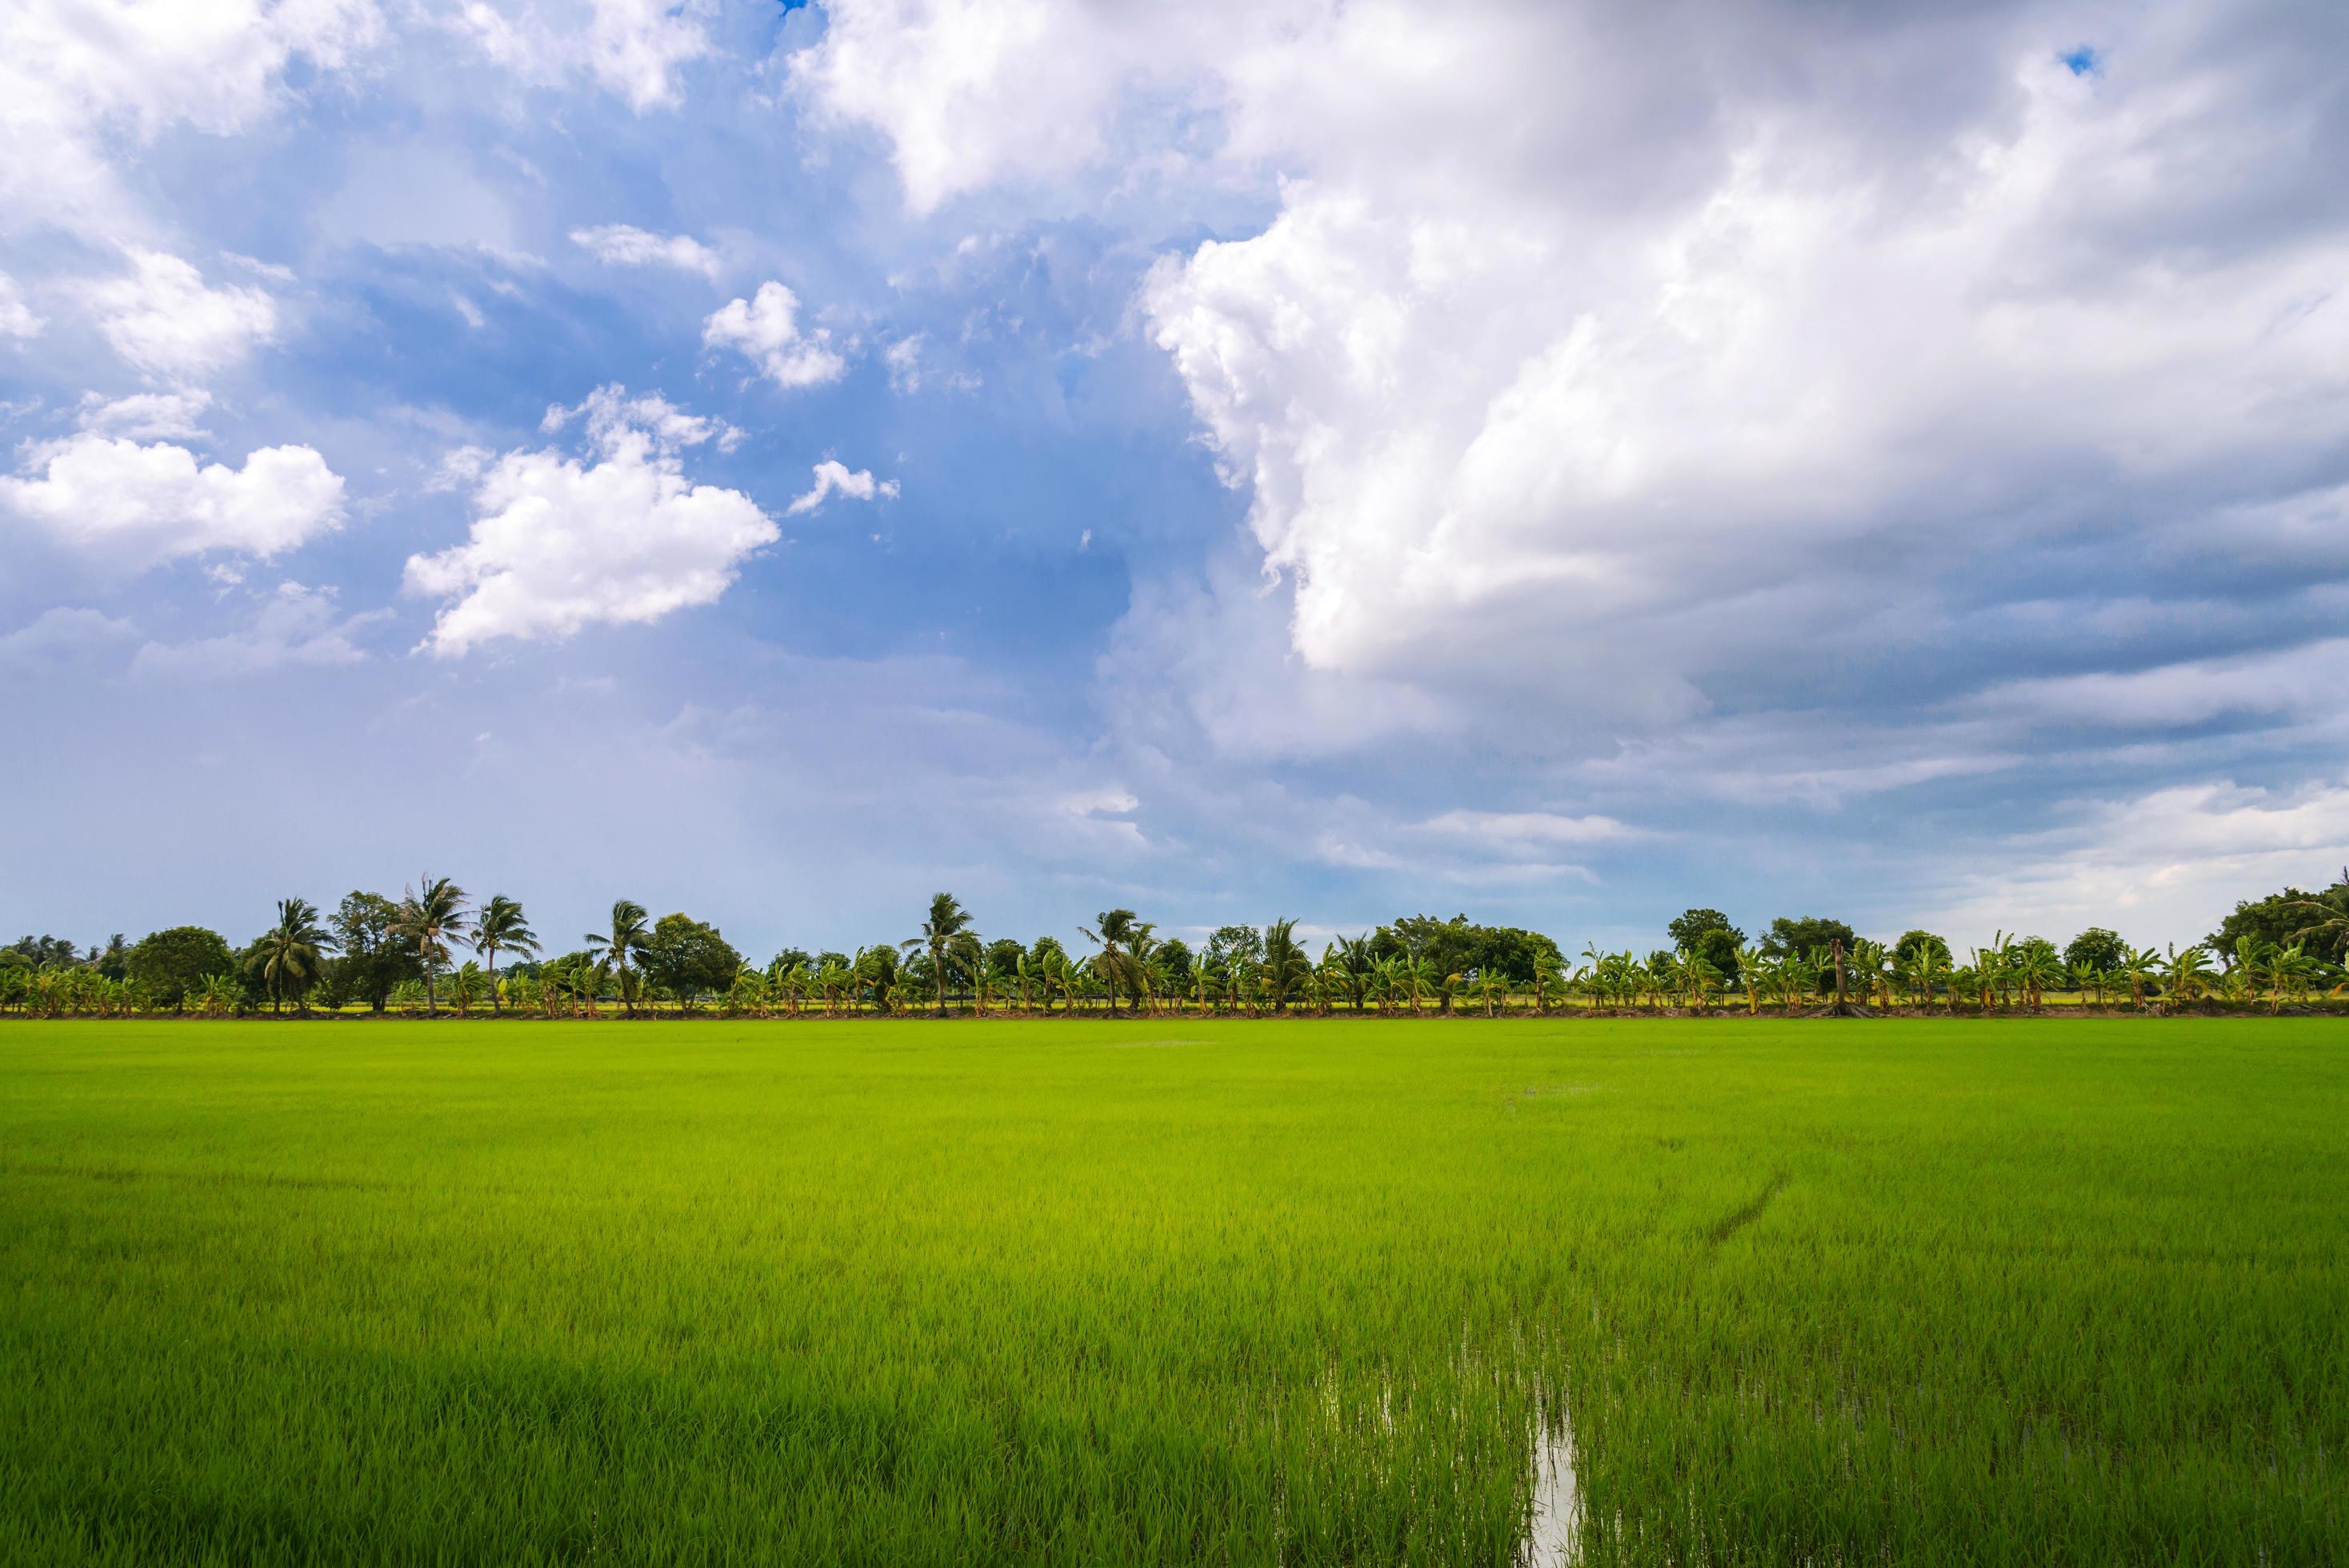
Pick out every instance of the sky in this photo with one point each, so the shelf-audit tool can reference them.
(1559, 463)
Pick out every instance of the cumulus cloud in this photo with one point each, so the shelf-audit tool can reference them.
(16, 317)
(75, 74)
(765, 330)
(146, 416)
(295, 626)
(1649, 349)
(161, 318)
(622, 246)
(62, 633)
(834, 478)
(121, 501)
(632, 49)
(2171, 861)
(619, 537)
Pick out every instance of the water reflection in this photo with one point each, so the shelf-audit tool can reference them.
(1554, 1527)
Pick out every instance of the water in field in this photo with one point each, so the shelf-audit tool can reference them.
(1554, 1528)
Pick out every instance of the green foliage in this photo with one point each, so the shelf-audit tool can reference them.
(688, 958)
(2096, 949)
(1233, 948)
(1691, 926)
(1914, 945)
(45, 952)
(2284, 917)
(432, 915)
(1798, 937)
(374, 960)
(1707, 934)
(173, 963)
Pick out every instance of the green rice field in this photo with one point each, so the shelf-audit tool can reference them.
(1155, 1291)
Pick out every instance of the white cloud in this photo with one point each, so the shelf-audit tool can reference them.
(76, 72)
(1588, 343)
(120, 502)
(16, 317)
(909, 372)
(621, 246)
(1521, 828)
(294, 625)
(461, 467)
(562, 544)
(973, 91)
(630, 48)
(146, 416)
(834, 478)
(162, 319)
(61, 633)
(765, 329)
(2162, 865)
(2301, 681)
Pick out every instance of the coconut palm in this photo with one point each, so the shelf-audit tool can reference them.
(1284, 966)
(432, 915)
(500, 927)
(1113, 930)
(2330, 910)
(948, 920)
(631, 929)
(287, 954)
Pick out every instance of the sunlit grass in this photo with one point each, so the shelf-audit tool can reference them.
(2043, 1290)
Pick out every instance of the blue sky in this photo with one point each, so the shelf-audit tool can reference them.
(1243, 460)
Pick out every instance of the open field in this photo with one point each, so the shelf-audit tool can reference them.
(1175, 1290)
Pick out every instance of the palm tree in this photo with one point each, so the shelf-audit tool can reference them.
(834, 979)
(500, 928)
(432, 915)
(630, 930)
(287, 954)
(467, 986)
(948, 920)
(2331, 908)
(1284, 965)
(2186, 975)
(1113, 931)
(216, 998)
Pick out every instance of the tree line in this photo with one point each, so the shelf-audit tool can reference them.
(436, 949)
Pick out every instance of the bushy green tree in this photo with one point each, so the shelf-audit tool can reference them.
(1915, 944)
(1235, 947)
(2282, 918)
(688, 958)
(2096, 950)
(175, 962)
(1706, 933)
(1794, 936)
(374, 960)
